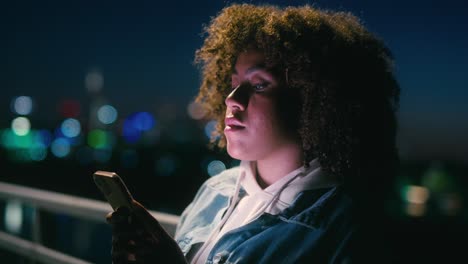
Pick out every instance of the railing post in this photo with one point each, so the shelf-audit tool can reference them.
(36, 228)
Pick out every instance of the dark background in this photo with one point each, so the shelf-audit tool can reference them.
(143, 50)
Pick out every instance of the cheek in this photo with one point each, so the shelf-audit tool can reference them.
(265, 121)
(289, 112)
(270, 118)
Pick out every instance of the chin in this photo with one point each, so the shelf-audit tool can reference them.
(235, 153)
(241, 154)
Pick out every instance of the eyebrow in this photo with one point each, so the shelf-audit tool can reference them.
(261, 67)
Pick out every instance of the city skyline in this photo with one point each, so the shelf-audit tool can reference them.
(144, 52)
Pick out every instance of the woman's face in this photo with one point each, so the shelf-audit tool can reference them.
(253, 128)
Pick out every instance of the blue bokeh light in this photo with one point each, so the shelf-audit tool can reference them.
(135, 124)
(60, 147)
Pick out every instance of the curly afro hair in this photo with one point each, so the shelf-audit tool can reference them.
(343, 74)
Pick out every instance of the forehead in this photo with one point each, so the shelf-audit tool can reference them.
(248, 61)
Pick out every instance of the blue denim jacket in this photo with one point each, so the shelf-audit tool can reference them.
(316, 228)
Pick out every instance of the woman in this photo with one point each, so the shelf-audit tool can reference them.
(306, 99)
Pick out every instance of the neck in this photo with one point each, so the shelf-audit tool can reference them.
(278, 165)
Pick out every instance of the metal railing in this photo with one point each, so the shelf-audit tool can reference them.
(63, 204)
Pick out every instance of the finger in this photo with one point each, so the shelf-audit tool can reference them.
(133, 245)
(124, 259)
(130, 226)
(131, 257)
(124, 250)
(126, 243)
(119, 256)
(122, 222)
(127, 258)
(122, 214)
(108, 216)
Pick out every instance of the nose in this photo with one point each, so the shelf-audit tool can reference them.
(238, 98)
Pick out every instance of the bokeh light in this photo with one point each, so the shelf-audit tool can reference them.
(22, 105)
(415, 209)
(416, 194)
(94, 81)
(20, 126)
(437, 179)
(215, 167)
(69, 108)
(70, 127)
(43, 136)
(143, 121)
(11, 140)
(100, 139)
(38, 151)
(33, 146)
(60, 147)
(135, 124)
(210, 127)
(107, 114)
(73, 141)
(415, 198)
(13, 217)
(195, 111)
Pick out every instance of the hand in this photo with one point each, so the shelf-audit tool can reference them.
(137, 237)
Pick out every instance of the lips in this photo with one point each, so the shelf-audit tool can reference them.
(233, 123)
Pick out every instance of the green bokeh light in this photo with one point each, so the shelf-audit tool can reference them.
(98, 139)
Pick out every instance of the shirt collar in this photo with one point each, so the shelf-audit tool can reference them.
(300, 179)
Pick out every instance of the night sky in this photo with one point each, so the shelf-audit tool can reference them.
(144, 49)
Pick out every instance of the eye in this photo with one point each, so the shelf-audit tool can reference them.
(260, 86)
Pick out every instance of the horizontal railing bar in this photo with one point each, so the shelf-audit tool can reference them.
(73, 205)
(36, 251)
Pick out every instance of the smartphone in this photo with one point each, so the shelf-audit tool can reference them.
(113, 188)
(117, 194)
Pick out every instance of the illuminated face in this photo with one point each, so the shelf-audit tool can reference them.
(253, 128)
